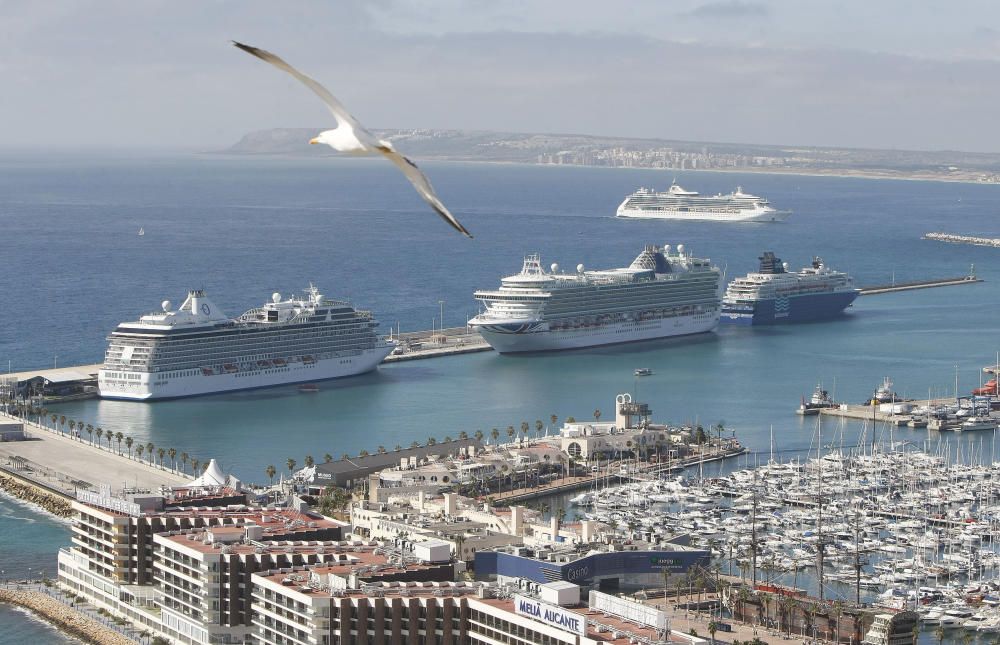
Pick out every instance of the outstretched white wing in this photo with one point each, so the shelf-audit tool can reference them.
(336, 107)
(423, 186)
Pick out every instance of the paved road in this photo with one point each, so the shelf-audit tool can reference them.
(65, 460)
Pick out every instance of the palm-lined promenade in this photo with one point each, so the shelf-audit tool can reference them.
(65, 455)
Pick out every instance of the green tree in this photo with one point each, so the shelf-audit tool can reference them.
(291, 465)
(173, 458)
(597, 415)
(524, 430)
(271, 471)
(415, 444)
(570, 419)
(511, 432)
(382, 450)
(479, 434)
(90, 432)
(128, 444)
(448, 439)
(118, 437)
(184, 461)
(149, 450)
(72, 427)
(363, 453)
(495, 435)
(100, 434)
(309, 462)
(538, 427)
(712, 628)
(431, 441)
(327, 458)
(138, 451)
(463, 435)
(161, 453)
(194, 466)
(62, 422)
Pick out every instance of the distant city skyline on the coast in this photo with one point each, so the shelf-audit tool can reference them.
(851, 74)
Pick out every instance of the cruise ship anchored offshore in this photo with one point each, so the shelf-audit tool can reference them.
(679, 204)
(773, 295)
(661, 294)
(198, 350)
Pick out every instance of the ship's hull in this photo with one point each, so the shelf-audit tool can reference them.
(793, 309)
(520, 337)
(755, 215)
(146, 386)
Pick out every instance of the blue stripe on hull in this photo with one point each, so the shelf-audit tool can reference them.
(797, 309)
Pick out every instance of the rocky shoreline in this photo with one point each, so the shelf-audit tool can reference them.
(65, 618)
(48, 501)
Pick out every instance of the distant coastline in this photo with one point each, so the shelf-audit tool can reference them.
(649, 154)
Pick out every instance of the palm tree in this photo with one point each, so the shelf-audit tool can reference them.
(72, 427)
(100, 434)
(160, 452)
(90, 432)
(431, 441)
(538, 427)
(173, 458)
(270, 471)
(554, 419)
(118, 437)
(382, 450)
(479, 435)
(511, 432)
(524, 430)
(55, 419)
(194, 465)
(597, 415)
(463, 435)
(184, 461)
(138, 451)
(570, 419)
(939, 634)
(345, 457)
(327, 458)
(415, 444)
(291, 465)
(560, 516)
(363, 453)
(495, 434)
(149, 451)
(62, 422)
(128, 444)
(309, 461)
(712, 628)
(448, 439)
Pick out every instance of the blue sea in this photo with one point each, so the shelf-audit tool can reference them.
(244, 227)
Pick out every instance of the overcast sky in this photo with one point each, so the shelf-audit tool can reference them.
(856, 73)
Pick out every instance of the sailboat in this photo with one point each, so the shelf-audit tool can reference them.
(141, 232)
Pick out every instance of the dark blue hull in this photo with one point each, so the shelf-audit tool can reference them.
(794, 309)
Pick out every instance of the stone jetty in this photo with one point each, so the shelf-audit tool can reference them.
(64, 617)
(51, 502)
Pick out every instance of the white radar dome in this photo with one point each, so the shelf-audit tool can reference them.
(275, 297)
(784, 265)
(579, 268)
(680, 249)
(165, 305)
(554, 267)
(666, 249)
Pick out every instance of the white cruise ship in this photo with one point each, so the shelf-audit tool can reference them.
(677, 203)
(198, 350)
(661, 294)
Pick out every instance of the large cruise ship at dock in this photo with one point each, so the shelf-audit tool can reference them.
(198, 350)
(679, 204)
(663, 293)
(774, 295)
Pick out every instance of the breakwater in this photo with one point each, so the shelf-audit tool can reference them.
(963, 239)
(919, 284)
(48, 500)
(63, 616)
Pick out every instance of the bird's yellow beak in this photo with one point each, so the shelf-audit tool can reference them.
(314, 140)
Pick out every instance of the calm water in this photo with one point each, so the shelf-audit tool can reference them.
(245, 227)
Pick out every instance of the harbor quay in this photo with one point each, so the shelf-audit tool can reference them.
(65, 464)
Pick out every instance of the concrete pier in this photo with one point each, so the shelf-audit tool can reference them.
(64, 464)
(921, 284)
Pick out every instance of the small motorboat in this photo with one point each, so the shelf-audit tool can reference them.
(309, 388)
(643, 371)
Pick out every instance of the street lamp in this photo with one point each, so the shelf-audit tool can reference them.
(441, 318)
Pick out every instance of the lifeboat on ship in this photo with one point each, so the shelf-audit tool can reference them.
(989, 389)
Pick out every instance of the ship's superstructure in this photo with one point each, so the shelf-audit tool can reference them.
(196, 349)
(661, 294)
(774, 295)
(677, 203)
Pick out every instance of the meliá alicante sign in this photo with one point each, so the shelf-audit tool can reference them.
(558, 617)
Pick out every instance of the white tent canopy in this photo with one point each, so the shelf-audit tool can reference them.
(213, 477)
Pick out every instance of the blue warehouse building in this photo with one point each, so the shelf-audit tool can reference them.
(604, 570)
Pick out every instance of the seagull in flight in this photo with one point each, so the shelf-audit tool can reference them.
(351, 137)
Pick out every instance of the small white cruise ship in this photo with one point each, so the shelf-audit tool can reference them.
(679, 204)
(661, 294)
(196, 349)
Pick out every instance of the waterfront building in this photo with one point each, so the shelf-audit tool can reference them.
(352, 471)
